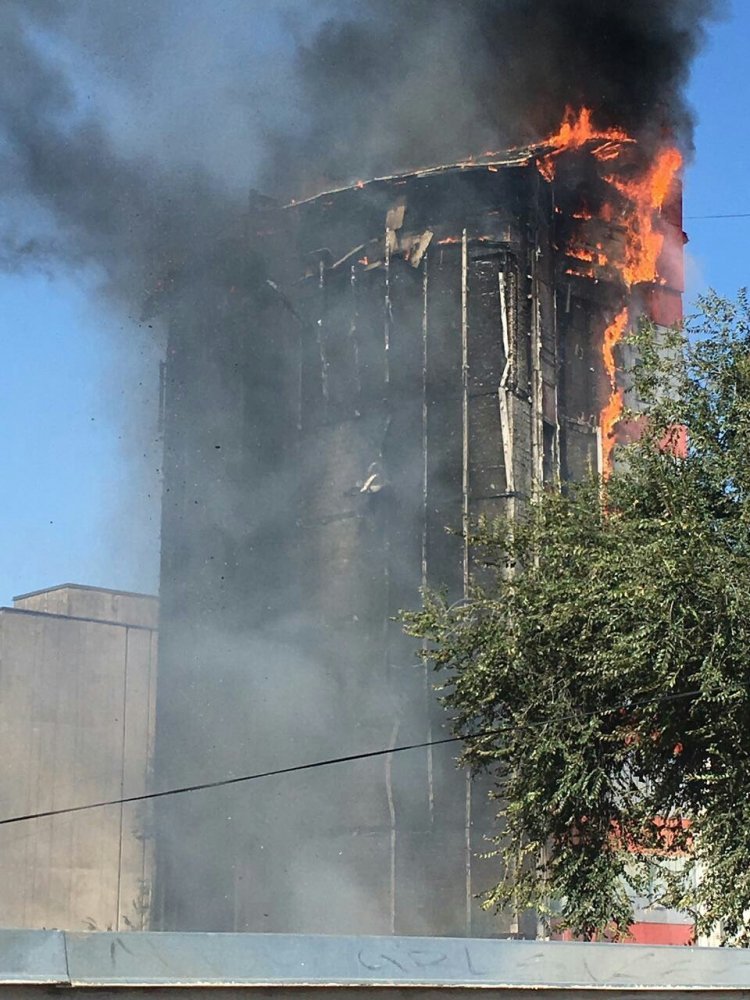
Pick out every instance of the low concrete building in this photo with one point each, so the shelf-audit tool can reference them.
(77, 695)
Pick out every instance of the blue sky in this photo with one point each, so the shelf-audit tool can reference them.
(77, 497)
(72, 508)
(718, 181)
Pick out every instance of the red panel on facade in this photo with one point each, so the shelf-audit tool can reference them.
(647, 933)
(664, 306)
(662, 933)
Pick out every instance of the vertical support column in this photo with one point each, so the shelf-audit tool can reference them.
(469, 855)
(505, 396)
(536, 380)
(425, 414)
(556, 352)
(425, 499)
(354, 333)
(387, 319)
(321, 332)
(465, 516)
(557, 474)
(388, 310)
(465, 405)
(392, 818)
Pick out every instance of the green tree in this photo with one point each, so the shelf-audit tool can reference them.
(601, 671)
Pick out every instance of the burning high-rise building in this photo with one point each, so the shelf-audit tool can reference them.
(346, 377)
(393, 359)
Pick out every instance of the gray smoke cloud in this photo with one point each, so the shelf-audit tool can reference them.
(130, 135)
(137, 129)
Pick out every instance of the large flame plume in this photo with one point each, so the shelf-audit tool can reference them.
(634, 205)
(611, 412)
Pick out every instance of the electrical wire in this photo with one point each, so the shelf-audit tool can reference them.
(224, 782)
(328, 762)
(728, 215)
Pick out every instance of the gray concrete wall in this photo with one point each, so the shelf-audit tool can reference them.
(75, 601)
(76, 726)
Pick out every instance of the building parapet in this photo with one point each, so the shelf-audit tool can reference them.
(134, 963)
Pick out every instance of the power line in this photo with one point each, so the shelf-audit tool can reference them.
(728, 215)
(224, 782)
(328, 762)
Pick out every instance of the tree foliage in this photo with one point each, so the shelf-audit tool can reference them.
(600, 673)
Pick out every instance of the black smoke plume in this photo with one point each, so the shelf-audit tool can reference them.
(396, 85)
(308, 94)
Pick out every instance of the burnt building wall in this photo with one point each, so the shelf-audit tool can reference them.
(408, 356)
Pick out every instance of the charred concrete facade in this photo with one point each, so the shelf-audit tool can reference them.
(409, 354)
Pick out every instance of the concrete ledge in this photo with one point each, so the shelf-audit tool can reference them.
(33, 957)
(127, 964)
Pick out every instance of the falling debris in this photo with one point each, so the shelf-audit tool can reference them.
(374, 482)
(418, 249)
(394, 220)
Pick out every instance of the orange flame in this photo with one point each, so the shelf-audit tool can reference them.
(579, 253)
(612, 411)
(638, 212)
(583, 253)
(646, 195)
(576, 131)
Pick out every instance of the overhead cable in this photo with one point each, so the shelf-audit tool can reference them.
(328, 762)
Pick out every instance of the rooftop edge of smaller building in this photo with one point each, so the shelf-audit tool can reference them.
(84, 586)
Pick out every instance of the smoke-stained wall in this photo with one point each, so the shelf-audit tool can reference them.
(421, 354)
(378, 405)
